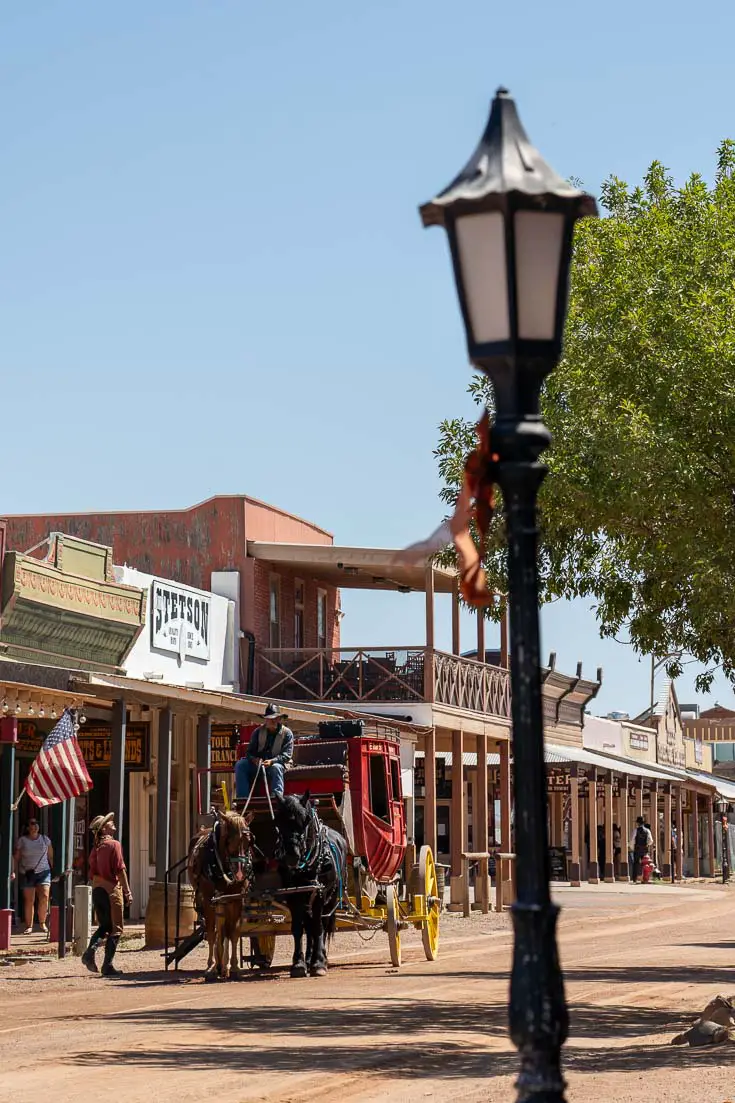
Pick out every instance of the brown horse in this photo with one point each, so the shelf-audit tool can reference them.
(211, 874)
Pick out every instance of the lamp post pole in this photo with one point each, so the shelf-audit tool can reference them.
(539, 1021)
(510, 220)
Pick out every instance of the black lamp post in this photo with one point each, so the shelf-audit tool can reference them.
(721, 807)
(510, 221)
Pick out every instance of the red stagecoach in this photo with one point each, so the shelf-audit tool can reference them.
(353, 770)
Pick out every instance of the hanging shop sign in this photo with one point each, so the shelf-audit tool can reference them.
(224, 740)
(95, 742)
(30, 739)
(180, 622)
(558, 781)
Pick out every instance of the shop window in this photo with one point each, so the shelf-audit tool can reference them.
(274, 612)
(321, 619)
(379, 788)
(395, 777)
(298, 614)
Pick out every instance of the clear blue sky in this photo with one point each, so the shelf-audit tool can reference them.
(213, 275)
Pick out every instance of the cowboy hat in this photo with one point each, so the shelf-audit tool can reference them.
(273, 712)
(99, 822)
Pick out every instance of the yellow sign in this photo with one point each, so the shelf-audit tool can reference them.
(224, 741)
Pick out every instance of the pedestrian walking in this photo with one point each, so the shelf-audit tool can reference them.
(641, 843)
(109, 889)
(33, 857)
(674, 851)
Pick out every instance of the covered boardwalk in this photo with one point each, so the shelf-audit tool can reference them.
(592, 797)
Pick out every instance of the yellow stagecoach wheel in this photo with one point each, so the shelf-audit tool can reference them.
(429, 887)
(394, 934)
(265, 947)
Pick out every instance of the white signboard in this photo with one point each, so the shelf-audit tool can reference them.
(180, 620)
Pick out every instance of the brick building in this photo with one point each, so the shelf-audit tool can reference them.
(205, 546)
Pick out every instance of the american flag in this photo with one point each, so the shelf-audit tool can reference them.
(59, 771)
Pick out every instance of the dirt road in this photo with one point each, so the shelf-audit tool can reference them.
(639, 960)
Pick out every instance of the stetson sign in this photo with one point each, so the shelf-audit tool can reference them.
(179, 620)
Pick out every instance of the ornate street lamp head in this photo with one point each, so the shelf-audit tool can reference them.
(510, 220)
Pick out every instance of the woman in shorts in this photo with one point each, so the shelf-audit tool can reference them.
(33, 857)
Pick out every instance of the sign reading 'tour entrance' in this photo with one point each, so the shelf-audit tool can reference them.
(180, 620)
(223, 742)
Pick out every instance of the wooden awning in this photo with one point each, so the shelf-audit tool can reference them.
(353, 568)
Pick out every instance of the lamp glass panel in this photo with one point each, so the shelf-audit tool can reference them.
(481, 247)
(539, 237)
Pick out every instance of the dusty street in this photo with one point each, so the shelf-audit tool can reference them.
(639, 961)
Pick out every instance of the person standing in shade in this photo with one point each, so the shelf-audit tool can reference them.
(675, 871)
(33, 858)
(110, 889)
(641, 843)
(271, 745)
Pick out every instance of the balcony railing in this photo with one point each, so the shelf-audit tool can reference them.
(360, 675)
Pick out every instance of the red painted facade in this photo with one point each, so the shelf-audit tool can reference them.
(188, 545)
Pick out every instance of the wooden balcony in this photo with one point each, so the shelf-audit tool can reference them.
(374, 675)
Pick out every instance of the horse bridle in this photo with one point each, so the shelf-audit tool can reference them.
(311, 852)
(228, 877)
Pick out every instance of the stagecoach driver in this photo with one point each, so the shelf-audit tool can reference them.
(270, 745)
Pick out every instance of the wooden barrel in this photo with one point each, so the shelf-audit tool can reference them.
(154, 916)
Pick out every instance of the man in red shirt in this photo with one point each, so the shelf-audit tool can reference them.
(110, 888)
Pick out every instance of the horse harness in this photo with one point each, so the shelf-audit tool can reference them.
(318, 851)
(212, 865)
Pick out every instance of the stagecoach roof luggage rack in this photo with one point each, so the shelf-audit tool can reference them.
(341, 729)
(357, 729)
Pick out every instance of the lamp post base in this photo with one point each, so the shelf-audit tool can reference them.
(539, 1022)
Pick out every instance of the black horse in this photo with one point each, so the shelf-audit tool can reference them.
(313, 856)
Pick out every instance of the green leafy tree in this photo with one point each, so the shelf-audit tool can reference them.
(638, 510)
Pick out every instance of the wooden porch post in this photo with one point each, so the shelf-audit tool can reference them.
(480, 824)
(609, 842)
(504, 660)
(204, 762)
(653, 819)
(575, 872)
(711, 834)
(163, 795)
(695, 835)
(666, 869)
(680, 834)
(429, 653)
(430, 790)
(455, 618)
(480, 635)
(593, 873)
(458, 818)
(117, 764)
(557, 821)
(505, 839)
(624, 870)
